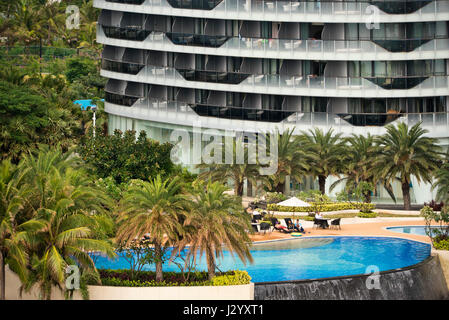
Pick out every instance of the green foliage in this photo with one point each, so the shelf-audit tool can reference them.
(441, 245)
(238, 278)
(275, 197)
(123, 157)
(323, 207)
(121, 278)
(440, 236)
(363, 214)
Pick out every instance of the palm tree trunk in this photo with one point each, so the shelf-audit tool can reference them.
(368, 197)
(322, 184)
(238, 188)
(158, 254)
(2, 277)
(210, 263)
(406, 195)
(280, 187)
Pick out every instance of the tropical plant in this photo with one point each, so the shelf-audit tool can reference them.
(154, 209)
(12, 194)
(236, 170)
(123, 157)
(67, 214)
(292, 160)
(216, 220)
(442, 183)
(405, 153)
(327, 153)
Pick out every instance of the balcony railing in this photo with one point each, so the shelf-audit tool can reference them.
(310, 85)
(213, 76)
(147, 109)
(121, 66)
(194, 4)
(120, 99)
(292, 49)
(307, 11)
(190, 39)
(126, 33)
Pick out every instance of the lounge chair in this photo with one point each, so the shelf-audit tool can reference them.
(274, 221)
(335, 224)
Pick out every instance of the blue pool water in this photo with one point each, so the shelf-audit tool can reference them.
(311, 258)
(419, 230)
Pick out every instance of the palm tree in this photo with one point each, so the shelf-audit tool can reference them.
(361, 152)
(216, 219)
(291, 158)
(442, 182)
(155, 208)
(326, 151)
(66, 217)
(405, 152)
(12, 194)
(235, 171)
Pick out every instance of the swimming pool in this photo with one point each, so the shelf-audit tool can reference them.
(312, 258)
(419, 230)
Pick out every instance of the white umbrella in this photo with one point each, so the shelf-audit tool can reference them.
(294, 202)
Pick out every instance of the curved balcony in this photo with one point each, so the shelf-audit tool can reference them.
(331, 50)
(292, 11)
(213, 76)
(293, 86)
(190, 39)
(121, 66)
(179, 113)
(194, 4)
(119, 99)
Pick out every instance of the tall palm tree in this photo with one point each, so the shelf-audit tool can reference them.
(235, 171)
(358, 167)
(405, 152)
(155, 208)
(327, 153)
(442, 182)
(291, 159)
(216, 219)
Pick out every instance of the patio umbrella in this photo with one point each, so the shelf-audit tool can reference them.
(294, 202)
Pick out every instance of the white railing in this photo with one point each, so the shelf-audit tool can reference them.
(288, 49)
(337, 11)
(287, 85)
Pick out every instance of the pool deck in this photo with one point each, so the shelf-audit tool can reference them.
(355, 227)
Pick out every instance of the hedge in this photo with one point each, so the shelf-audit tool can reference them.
(121, 278)
(441, 245)
(323, 208)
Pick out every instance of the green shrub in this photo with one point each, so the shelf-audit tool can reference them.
(323, 207)
(367, 215)
(239, 277)
(122, 278)
(441, 245)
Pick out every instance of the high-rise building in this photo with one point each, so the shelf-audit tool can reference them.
(247, 65)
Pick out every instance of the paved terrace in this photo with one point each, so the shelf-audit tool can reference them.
(355, 227)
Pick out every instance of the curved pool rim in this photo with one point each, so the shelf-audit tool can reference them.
(360, 275)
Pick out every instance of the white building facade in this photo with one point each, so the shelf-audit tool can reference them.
(259, 65)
